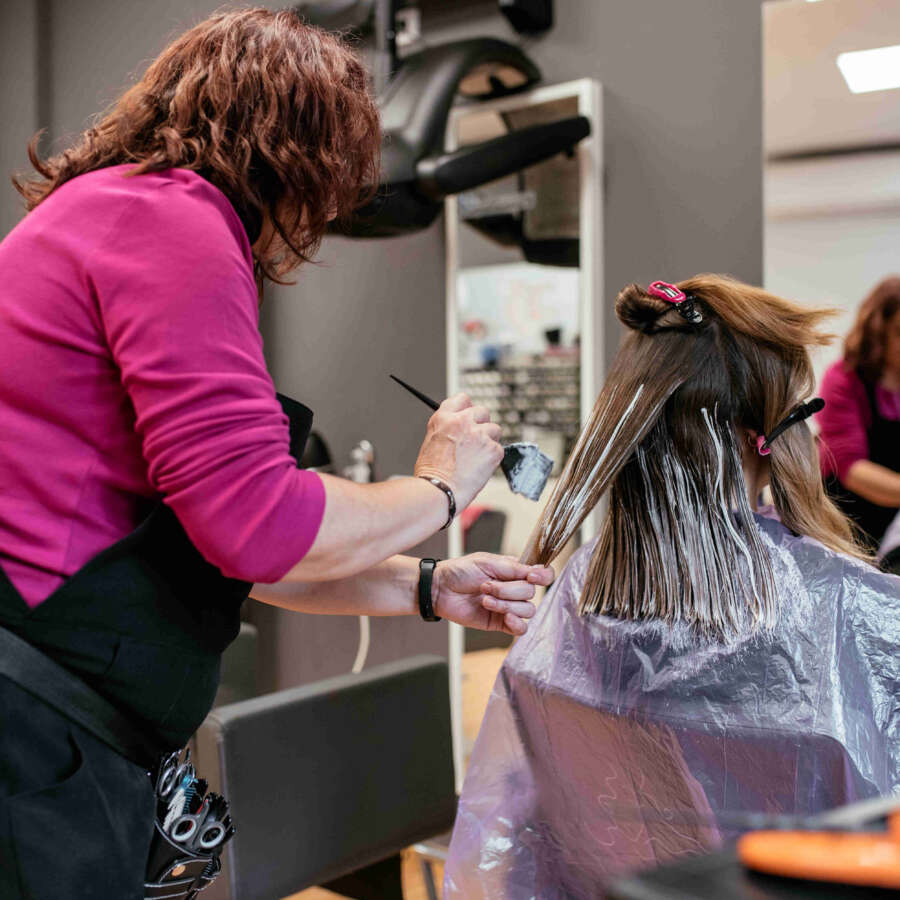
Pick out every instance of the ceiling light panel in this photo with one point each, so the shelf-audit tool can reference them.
(871, 70)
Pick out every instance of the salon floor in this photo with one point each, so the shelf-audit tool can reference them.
(479, 671)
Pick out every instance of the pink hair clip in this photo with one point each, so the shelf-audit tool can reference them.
(672, 294)
(666, 291)
(760, 446)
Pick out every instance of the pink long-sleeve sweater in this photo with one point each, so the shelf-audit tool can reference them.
(131, 368)
(847, 417)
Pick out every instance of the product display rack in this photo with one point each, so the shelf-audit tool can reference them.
(540, 392)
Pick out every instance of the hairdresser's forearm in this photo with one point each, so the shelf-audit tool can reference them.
(874, 483)
(388, 589)
(364, 524)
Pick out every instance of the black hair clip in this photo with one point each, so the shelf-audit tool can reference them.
(798, 414)
(684, 303)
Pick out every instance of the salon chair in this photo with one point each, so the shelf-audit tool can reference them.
(331, 778)
(485, 534)
(674, 786)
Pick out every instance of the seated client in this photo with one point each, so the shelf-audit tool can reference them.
(704, 660)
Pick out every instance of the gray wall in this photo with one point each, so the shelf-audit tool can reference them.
(682, 101)
(18, 98)
(65, 60)
(367, 309)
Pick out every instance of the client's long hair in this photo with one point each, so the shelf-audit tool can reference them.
(678, 542)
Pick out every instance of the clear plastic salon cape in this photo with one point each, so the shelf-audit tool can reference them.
(610, 746)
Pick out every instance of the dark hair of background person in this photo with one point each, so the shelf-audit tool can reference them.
(678, 542)
(864, 345)
(275, 113)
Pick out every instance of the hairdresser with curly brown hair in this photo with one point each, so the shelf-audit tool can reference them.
(860, 425)
(146, 485)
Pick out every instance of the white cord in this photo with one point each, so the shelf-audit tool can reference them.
(363, 650)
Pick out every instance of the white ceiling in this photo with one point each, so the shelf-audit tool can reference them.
(808, 106)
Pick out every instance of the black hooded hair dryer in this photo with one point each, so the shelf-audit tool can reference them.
(415, 100)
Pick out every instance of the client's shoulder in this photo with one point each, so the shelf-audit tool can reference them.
(821, 570)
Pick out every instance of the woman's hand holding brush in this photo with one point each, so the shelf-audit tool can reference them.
(461, 448)
(379, 520)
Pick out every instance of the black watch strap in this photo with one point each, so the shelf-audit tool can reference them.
(426, 574)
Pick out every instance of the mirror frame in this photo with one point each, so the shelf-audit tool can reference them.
(588, 93)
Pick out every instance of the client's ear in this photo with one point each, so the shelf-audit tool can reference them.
(749, 441)
(747, 437)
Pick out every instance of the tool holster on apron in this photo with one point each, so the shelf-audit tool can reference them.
(143, 624)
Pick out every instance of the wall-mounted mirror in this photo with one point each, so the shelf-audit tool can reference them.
(524, 274)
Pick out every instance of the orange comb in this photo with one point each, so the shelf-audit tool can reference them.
(862, 858)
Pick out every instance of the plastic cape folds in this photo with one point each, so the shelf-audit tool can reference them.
(610, 746)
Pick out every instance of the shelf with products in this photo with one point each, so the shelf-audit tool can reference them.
(536, 393)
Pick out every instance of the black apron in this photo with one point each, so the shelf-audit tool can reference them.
(144, 623)
(883, 437)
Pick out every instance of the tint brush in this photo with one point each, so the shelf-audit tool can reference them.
(526, 468)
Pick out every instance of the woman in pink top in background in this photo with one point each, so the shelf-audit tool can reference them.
(860, 424)
(146, 486)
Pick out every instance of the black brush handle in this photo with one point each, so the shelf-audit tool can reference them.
(423, 397)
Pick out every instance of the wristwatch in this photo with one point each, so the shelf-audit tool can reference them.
(426, 573)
